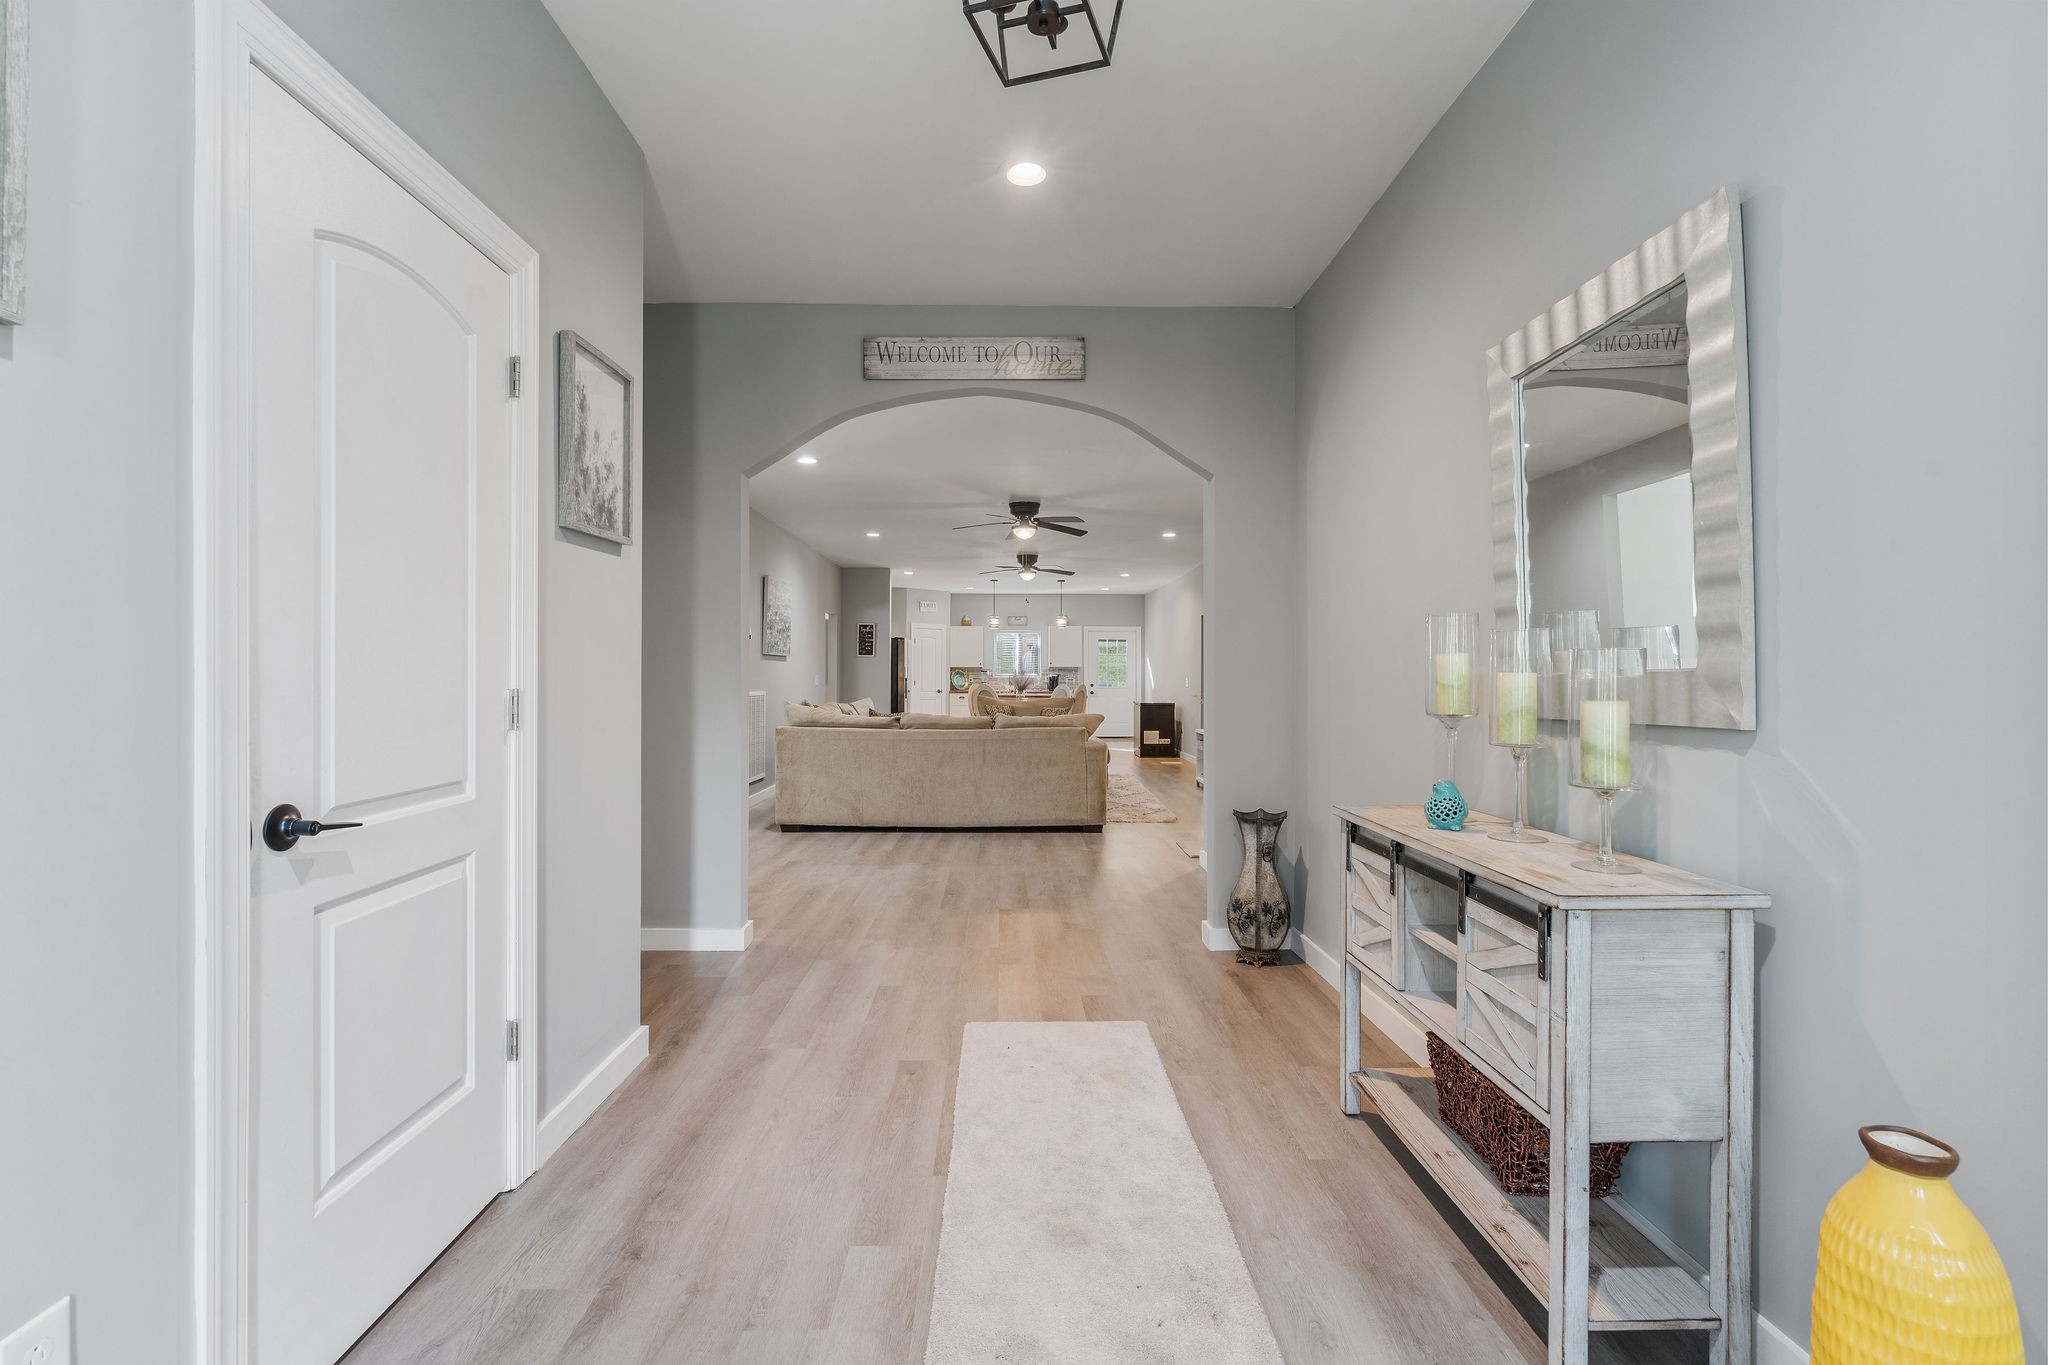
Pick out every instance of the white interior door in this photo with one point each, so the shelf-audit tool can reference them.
(928, 673)
(1112, 659)
(384, 442)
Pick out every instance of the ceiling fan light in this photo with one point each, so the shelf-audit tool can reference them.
(1028, 574)
(1026, 532)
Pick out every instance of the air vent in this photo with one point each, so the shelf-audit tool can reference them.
(757, 737)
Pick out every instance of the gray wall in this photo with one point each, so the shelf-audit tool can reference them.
(735, 386)
(809, 673)
(903, 609)
(95, 1037)
(495, 93)
(94, 938)
(1173, 651)
(1043, 607)
(864, 596)
(1890, 163)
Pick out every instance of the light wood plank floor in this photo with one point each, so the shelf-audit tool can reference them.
(767, 1187)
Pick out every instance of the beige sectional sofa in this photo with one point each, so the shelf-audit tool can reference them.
(939, 775)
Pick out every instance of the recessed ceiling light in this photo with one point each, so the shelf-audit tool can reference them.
(874, 535)
(806, 459)
(1123, 575)
(1103, 590)
(910, 573)
(1168, 535)
(1026, 173)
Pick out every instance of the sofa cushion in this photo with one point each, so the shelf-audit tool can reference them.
(819, 715)
(914, 720)
(1081, 722)
(864, 707)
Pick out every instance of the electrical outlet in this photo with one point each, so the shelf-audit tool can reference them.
(45, 1341)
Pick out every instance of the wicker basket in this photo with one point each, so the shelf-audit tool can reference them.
(1509, 1139)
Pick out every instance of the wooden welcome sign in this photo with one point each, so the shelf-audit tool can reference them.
(983, 358)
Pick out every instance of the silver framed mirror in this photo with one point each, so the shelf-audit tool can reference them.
(1620, 468)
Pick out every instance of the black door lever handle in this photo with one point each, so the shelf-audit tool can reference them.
(284, 827)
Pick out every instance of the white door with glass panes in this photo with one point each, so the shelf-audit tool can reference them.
(1112, 660)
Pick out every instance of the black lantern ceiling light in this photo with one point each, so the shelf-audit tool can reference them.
(1022, 37)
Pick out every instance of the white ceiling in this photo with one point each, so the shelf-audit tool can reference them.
(915, 472)
(854, 152)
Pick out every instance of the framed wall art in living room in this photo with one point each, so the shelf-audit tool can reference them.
(777, 616)
(13, 157)
(594, 443)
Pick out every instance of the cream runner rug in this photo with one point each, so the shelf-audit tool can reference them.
(1080, 1224)
(1130, 803)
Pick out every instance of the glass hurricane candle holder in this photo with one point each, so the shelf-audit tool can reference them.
(1606, 697)
(1569, 632)
(1520, 660)
(1450, 687)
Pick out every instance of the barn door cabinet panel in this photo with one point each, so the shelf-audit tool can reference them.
(1614, 1009)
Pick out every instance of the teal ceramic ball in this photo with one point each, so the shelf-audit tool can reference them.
(1446, 807)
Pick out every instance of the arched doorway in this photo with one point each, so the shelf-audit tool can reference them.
(883, 466)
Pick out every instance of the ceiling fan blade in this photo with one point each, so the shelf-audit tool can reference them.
(980, 524)
(1060, 573)
(1044, 525)
(1043, 519)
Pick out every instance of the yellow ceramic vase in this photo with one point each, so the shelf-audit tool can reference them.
(1907, 1275)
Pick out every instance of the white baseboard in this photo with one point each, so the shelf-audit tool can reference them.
(766, 794)
(1217, 939)
(656, 938)
(566, 1117)
(1773, 1347)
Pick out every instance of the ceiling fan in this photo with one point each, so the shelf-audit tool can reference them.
(1024, 522)
(1028, 568)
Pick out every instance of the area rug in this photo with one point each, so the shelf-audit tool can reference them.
(1131, 804)
(1080, 1224)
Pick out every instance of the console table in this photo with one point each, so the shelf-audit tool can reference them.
(1614, 1009)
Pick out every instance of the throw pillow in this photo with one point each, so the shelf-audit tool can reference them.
(990, 706)
(1055, 708)
(1081, 722)
(919, 721)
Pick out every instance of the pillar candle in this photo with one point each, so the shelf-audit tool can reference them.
(1514, 708)
(1603, 744)
(1454, 684)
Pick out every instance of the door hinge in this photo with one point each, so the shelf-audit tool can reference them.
(511, 708)
(511, 1040)
(515, 376)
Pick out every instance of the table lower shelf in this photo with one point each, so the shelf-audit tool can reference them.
(1635, 1285)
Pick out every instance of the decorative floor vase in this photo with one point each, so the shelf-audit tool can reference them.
(1907, 1275)
(1259, 913)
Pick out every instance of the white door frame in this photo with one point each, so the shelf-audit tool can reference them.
(235, 40)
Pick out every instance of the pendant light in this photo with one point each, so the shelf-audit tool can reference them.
(1061, 619)
(1007, 28)
(993, 619)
